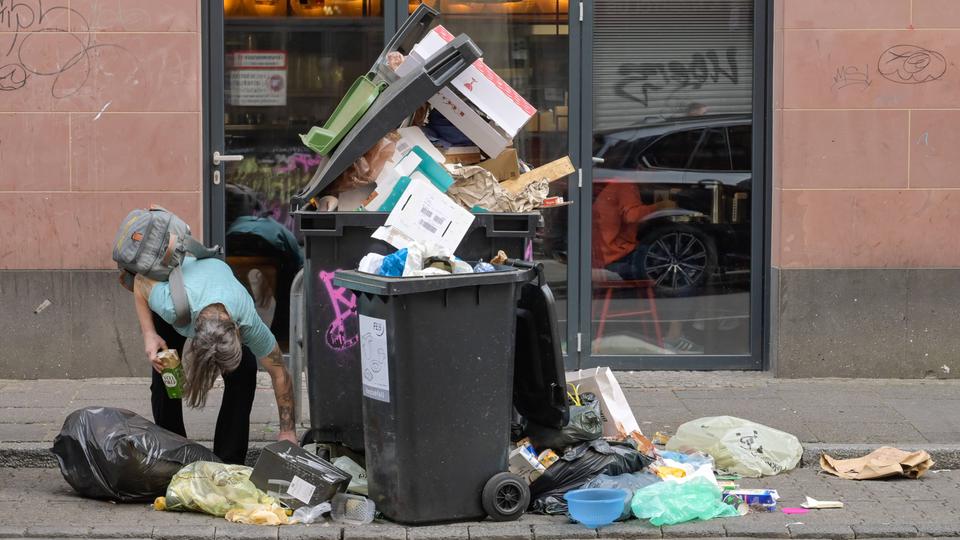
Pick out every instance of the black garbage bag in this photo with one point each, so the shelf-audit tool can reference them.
(577, 466)
(585, 425)
(114, 454)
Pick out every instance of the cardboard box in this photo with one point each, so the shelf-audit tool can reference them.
(504, 167)
(464, 155)
(490, 139)
(296, 477)
(484, 88)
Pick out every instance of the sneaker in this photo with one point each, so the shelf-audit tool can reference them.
(682, 345)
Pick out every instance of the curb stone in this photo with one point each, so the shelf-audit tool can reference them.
(375, 532)
(134, 531)
(59, 531)
(756, 530)
(184, 532)
(562, 531)
(305, 532)
(834, 532)
(697, 529)
(230, 531)
(438, 531)
(507, 531)
(630, 530)
(940, 529)
(889, 530)
(8, 531)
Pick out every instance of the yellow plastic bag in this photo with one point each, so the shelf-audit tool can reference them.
(219, 489)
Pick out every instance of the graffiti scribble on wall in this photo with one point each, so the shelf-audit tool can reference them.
(639, 80)
(28, 32)
(847, 76)
(911, 64)
(343, 332)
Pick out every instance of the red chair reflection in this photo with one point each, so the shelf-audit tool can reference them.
(645, 294)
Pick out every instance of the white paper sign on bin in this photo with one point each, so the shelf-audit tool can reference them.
(427, 216)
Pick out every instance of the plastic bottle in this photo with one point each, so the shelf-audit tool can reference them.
(352, 509)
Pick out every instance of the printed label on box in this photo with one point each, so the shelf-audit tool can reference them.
(374, 361)
(301, 490)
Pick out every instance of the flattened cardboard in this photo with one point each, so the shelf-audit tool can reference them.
(552, 171)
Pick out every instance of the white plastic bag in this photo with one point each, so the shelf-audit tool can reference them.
(739, 446)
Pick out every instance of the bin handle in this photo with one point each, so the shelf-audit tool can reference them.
(532, 267)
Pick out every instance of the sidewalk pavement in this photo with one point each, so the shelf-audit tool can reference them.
(38, 503)
(842, 415)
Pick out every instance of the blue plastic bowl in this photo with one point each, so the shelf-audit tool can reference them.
(595, 507)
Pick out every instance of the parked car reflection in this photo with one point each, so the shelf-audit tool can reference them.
(693, 176)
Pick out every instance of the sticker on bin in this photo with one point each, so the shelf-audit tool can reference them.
(374, 360)
(301, 490)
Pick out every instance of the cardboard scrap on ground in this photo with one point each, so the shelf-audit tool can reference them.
(552, 171)
(881, 463)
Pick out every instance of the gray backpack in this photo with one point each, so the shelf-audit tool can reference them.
(153, 242)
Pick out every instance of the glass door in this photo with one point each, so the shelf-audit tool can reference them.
(526, 42)
(673, 267)
(286, 64)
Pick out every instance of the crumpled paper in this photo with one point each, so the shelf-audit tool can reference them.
(260, 514)
(367, 167)
(883, 462)
(475, 186)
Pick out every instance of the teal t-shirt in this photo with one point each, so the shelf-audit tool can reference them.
(211, 281)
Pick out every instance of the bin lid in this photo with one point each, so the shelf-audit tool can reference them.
(400, 99)
(396, 286)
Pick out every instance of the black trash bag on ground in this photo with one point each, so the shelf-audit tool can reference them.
(577, 466)
(585, 425)
(114, 454)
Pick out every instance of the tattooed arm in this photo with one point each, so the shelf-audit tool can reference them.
(283, 390)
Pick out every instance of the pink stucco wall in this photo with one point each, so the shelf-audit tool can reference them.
(866, 134)
(99, 113)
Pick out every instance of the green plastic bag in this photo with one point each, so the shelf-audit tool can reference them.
(739, 446)
(669, 503)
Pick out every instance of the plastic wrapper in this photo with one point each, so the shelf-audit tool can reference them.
(739, 446)
(358, 475)
(666, 503)
(371, 263)
(215, 489)
(309, 515)
(630, 483)
(114, 454)
(585, 425)
(367, 167)
(392, 265)
(577, 466)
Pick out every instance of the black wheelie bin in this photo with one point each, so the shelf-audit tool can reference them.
(437, 356)
(338, 240)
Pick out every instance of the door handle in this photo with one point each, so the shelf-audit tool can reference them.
(219, 158)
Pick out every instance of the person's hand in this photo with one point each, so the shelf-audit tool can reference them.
(288, 436)
(152, 344)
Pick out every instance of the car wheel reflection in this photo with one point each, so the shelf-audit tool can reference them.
(677, 258)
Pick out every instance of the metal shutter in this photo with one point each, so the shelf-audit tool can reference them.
(652, 59)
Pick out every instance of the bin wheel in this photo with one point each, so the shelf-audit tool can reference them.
(505, 497)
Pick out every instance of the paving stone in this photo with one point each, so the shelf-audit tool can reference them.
(239, 531)
(886, 530)
(939, 529)
(12, 531)
(500, 531)
(836, 532)
(184, 532)
(630, 529)
(694, 529)
(562, 531)
(373, 532)
(59, 531)
(747, 529)
(121, 531)
(323, 531)
(438, 531)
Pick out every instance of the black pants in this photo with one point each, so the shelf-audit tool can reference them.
(232, 436)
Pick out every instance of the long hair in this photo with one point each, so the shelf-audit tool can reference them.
(215, 349)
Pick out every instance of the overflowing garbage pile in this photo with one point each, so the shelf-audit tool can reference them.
(427, 136)
(600, 468)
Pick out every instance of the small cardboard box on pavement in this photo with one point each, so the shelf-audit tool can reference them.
(296, 477)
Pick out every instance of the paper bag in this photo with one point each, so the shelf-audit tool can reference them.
(881, 463)
(618, 419)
